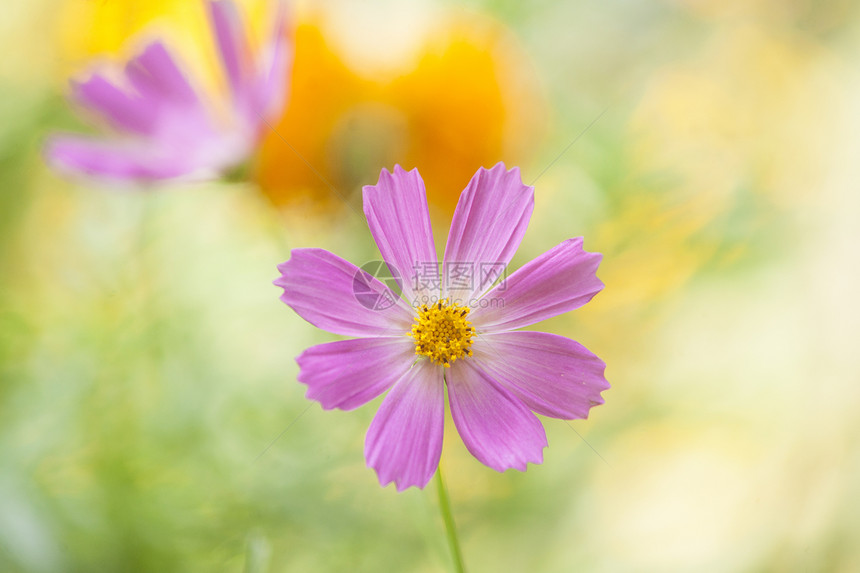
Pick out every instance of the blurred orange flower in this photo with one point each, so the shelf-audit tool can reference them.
(463, 105)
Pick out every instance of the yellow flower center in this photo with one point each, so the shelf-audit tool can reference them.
(442, 333)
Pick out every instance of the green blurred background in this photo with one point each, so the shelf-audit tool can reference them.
(150, 419)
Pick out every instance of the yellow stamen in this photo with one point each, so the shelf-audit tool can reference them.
(442, 333)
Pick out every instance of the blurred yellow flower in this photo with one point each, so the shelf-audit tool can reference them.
(90, 29)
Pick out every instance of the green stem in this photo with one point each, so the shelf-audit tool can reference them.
(448, 518)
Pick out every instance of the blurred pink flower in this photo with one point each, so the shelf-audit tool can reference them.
(447, 330)
(162, 128)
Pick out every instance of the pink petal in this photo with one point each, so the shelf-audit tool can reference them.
(154, 73)
(323, 289)
(113, 159)
(491, 218)
(232, 45)
(495, 425)
(404, 441)
(555, 282)
(348, 373)
(553, 375)
(124, 111)
(398, 217)
(184, 125)
(275, 65)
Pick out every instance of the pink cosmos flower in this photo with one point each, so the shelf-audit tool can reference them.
(161, 127)
(453, 327)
